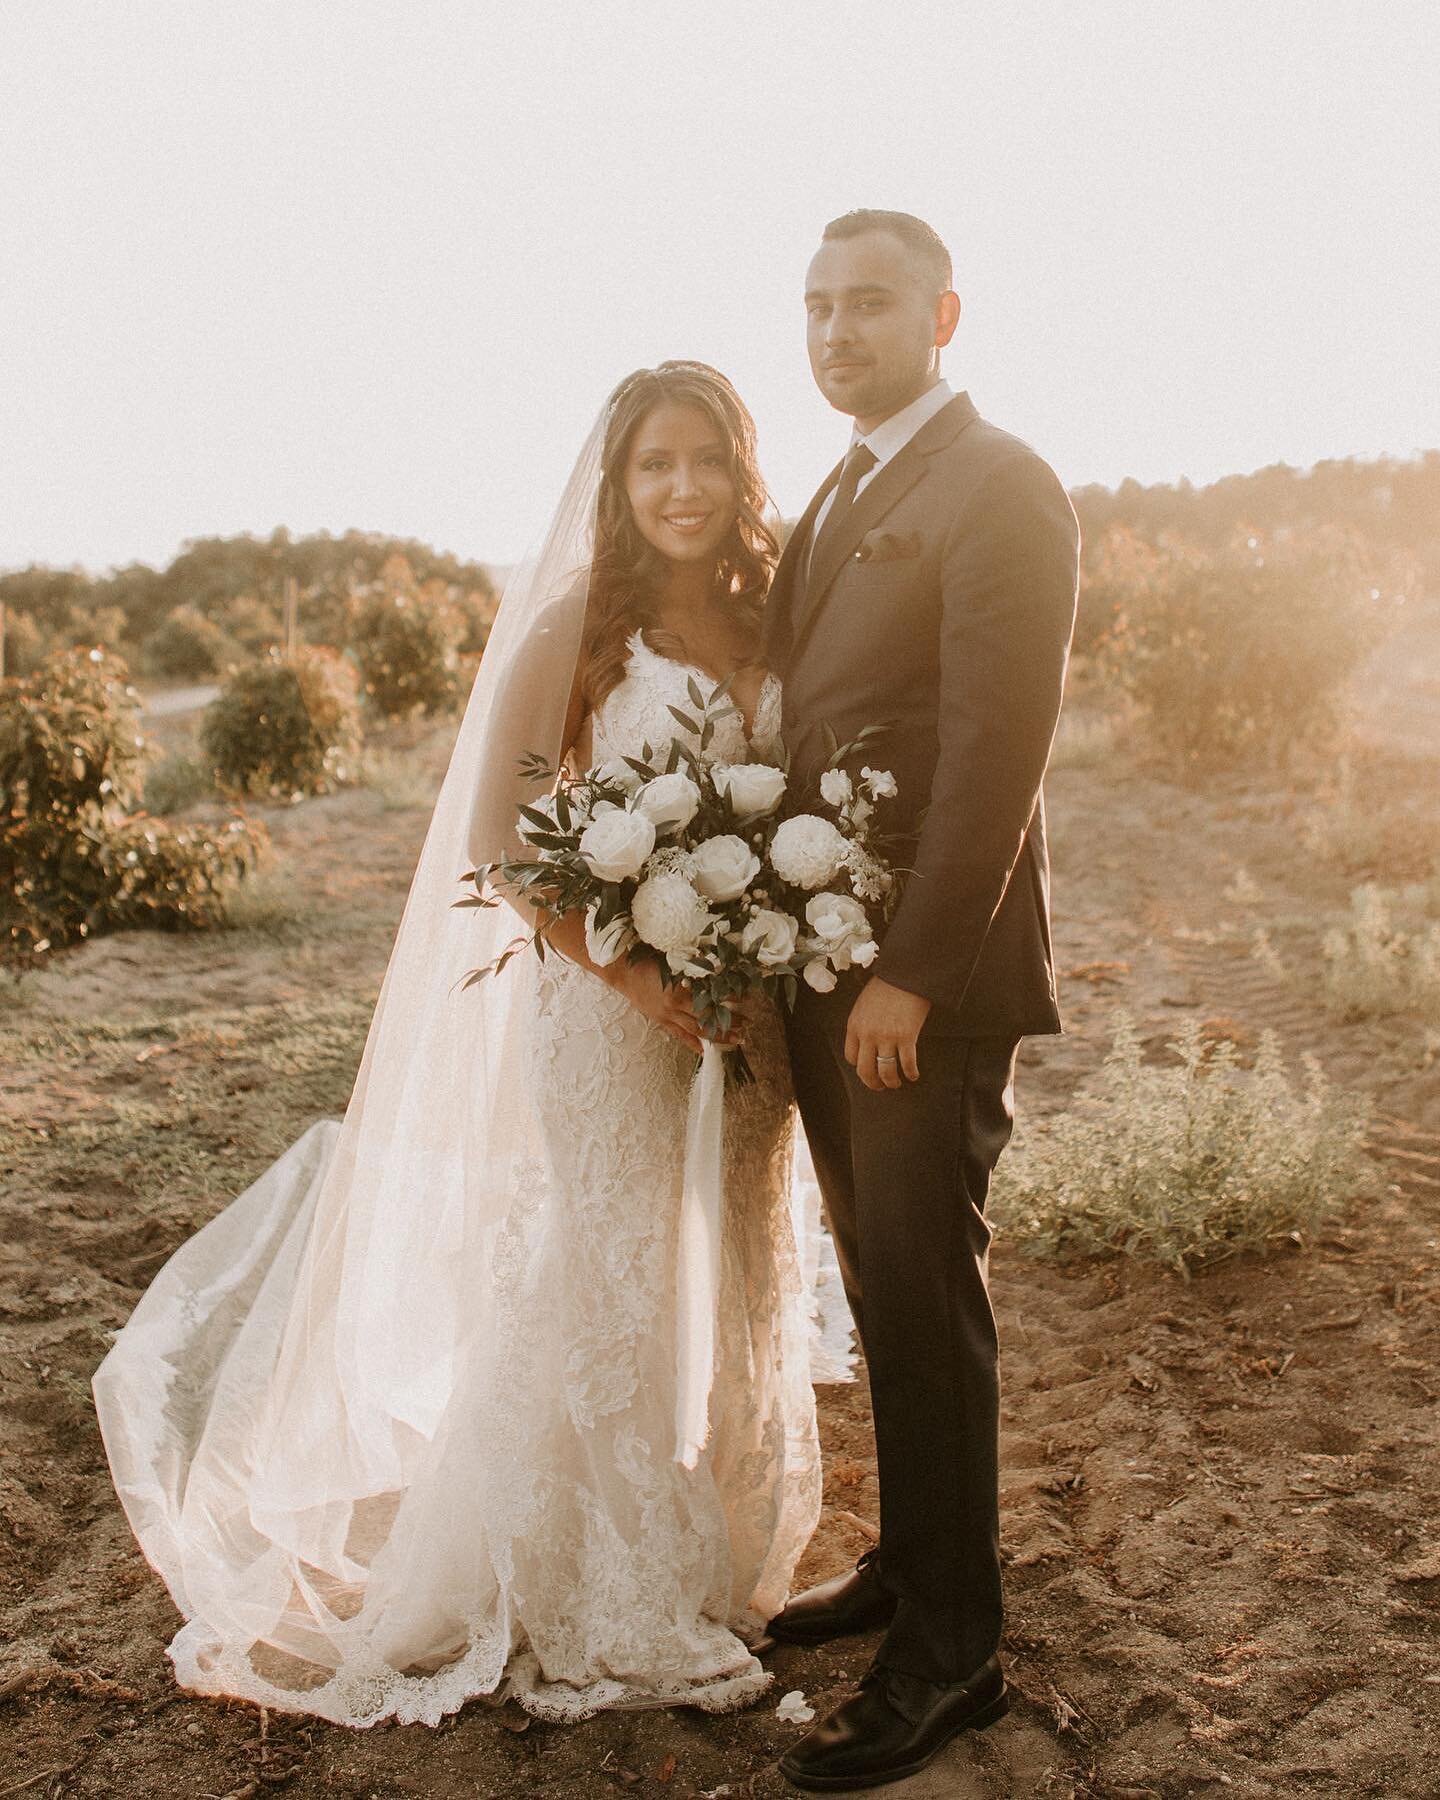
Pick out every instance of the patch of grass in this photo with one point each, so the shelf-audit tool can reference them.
(271, 902)
(1188, 1162)
(400, 778)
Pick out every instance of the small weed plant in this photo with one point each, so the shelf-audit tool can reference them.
(1375, 968)
(1187, 1162)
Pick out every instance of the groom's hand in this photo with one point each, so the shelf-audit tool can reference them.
(881, 1034)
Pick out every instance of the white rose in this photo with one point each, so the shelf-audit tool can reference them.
(614, 845)
(607, 943)
(619, 773)
(770, 937)
(820, 975)
(753, 789)
(881, 783)
(841, 929)
(669, 802)
(835, 787)
(724, 867)
(668, 914)
(807, 851)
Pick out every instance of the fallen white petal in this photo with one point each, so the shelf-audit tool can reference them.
(793, 1710)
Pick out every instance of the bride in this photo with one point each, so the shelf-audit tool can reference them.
(397, 1428)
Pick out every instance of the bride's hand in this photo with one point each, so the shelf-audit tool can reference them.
(668, 1007)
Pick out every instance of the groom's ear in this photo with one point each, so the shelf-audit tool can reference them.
(947, 317)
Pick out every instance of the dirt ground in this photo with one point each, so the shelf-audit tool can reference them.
(1218, 1495)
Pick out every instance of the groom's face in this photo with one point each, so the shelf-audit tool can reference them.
(872, 326)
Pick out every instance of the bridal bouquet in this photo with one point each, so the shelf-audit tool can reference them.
(700, 866)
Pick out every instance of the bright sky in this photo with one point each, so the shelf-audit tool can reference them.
(375, 263)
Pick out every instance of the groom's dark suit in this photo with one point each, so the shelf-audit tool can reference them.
(942, 606)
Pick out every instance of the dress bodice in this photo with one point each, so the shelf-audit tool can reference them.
(636, 712)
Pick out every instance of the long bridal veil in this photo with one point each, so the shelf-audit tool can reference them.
(278, 1411)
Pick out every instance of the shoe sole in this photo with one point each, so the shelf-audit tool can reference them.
(842, 1784)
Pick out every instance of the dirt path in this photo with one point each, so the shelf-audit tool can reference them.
(1218, 1511)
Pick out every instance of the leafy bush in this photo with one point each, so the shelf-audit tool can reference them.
(1374, 968)
(75, 859)
(407, 646)
(1241, 657)
(190, 647)
(1175, 1164)
(285, 728)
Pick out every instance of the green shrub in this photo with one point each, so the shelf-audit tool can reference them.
(69, 736)
(190, 647)
(1241, 657)
(406, 644)
(75, 858)
(283, 728)
(1179, 1163)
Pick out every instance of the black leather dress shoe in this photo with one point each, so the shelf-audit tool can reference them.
(853, 1602)
(892, 1728)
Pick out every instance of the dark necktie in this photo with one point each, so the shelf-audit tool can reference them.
(858, 464)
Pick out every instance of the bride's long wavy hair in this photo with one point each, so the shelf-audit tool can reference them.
(627, 571)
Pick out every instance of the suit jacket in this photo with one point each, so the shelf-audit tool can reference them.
(945, 610)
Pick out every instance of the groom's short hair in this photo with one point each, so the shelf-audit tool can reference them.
(922, 243)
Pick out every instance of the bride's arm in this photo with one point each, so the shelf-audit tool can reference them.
(640, 983)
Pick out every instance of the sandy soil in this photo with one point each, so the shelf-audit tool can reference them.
(1218, 1495)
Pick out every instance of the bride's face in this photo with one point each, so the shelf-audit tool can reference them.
(679, 484)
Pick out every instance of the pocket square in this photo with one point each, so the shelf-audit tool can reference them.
(888, 546)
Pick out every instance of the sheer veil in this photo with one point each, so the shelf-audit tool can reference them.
(278, 1396)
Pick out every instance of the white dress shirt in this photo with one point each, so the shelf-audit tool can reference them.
(888, 439)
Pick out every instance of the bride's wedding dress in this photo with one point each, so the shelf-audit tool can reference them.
(507, 1506)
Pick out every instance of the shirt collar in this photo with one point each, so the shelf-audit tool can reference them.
(891, 436)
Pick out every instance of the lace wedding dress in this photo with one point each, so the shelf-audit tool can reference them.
(544, 1540)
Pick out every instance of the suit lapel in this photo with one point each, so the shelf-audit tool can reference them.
(881, 493)
(788, 582)
(897, 477)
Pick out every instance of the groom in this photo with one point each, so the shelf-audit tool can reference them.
(930, 585)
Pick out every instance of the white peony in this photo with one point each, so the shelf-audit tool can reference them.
(614, 845)
(618, 772)
(807, 851)
(668, 914)
(842, 929)
(669, 802)
(608, 943)
(835, 787)
(820, 975)
(770, 937)
(753, 789)
(881, 782)
(724, 867)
